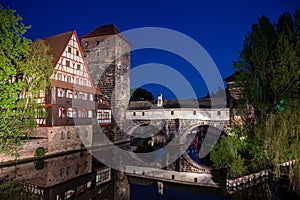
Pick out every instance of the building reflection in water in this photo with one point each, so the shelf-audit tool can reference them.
(71, 176)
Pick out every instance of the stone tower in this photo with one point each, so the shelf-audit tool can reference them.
(107, 54)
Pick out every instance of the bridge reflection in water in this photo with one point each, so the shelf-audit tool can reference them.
(80, 176)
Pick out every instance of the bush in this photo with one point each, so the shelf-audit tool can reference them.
(40, 152)
(39, 165)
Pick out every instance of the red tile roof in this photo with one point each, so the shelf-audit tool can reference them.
(108, 29)
(57, 44)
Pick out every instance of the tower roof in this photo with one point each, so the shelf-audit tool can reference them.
(57, 44)
(108, 29)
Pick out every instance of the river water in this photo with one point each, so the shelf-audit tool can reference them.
(80, 176)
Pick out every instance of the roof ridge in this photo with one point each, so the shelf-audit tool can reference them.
(107, 29)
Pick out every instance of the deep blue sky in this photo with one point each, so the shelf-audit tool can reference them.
(219, 26)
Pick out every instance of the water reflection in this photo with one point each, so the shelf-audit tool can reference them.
(63, 177)
(80, 176)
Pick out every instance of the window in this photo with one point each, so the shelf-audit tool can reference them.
(59, 76)
(102, 175)
(143, 113)
(62, 135)
(78, 66)
(84, 82)
(133, 113)
(70, 112)
(106, 115)
(69, 94)
(172, 112)
(67, 63)
(97, 42)
(218, 113)
(69, 79)
(74, 112)
(60, 92)
(82, 113)
(99, 116)
(61, 112)
(90, 114)
(75, 95)
(194, 112)
(68, 135)
(69, 50)
(77, 81)
(77, 53)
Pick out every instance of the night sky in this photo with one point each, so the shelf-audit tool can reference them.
(219, 26)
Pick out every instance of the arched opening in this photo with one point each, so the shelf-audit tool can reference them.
(200, 145)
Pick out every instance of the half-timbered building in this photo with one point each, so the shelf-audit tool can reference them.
(74, 106)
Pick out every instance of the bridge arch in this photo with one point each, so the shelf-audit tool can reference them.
(200, 139)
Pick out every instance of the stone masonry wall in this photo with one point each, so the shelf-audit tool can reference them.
(109, 65)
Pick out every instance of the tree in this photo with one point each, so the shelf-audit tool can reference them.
(268, 67)
(282, 141)
(141, 94)
(25, 69)
(267, 74)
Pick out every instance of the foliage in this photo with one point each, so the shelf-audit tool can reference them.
(25, 69)
(228, 154)
(267, 75)
(141, 94)
(282, 140)
(11, 189)
(39, 164)
(267, 71)
(40, 152)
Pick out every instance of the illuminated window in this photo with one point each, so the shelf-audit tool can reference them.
(90, 114)
(61, 112)
(103, 175)
(106, 115)
(70, 113)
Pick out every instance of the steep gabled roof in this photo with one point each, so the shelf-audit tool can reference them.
(57, 44)
(108, 29)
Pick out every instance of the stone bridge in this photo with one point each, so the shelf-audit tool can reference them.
(184, 123)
